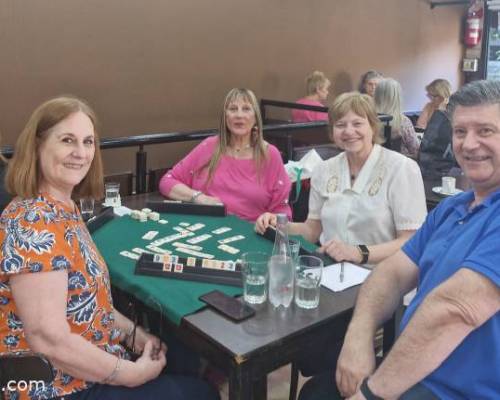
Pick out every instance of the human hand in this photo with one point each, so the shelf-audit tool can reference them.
(142, 337)
(264, 221)
(341, 251)
(356, 361)
(209, 200)
(357, 396)
(150, 363)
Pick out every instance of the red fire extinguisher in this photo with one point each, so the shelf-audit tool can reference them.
(473, 22)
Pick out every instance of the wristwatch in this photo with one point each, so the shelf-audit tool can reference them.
(195, 195)
(365, 253)
(369, 395)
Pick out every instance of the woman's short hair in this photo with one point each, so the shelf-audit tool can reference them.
(316, 81)
(371, 74)
(360, 104)
(388, 100)
(24, 175)
(439, 87)
(256, 138)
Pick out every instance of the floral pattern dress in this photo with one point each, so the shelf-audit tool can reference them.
(41, 235)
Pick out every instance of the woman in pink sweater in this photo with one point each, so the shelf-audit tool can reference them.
(236, 167)
(317, 85)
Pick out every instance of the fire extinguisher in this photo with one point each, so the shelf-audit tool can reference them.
(473, 21)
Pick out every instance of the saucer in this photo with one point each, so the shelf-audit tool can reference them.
(439, 190)
(106, 204)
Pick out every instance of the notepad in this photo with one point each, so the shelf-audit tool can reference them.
(353, 275)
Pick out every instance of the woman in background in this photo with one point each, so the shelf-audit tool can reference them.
(369, 81)
(388, 101)
(317, 86)
(236, 167)
(438, 92)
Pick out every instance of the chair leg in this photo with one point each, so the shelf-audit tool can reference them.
(294, 381)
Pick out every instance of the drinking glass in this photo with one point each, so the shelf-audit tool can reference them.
(255, 274)
(87, 208)
(294, 248)
(112, 190)
(308, 273)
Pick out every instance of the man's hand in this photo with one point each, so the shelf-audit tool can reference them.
(356, 361)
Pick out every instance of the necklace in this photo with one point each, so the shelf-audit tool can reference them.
(238, 149)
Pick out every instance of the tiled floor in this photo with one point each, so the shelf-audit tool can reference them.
(278, 385)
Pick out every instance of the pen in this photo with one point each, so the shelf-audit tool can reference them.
(342, 271)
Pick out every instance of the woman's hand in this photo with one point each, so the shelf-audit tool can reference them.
(341, 251)
(150, 363)
(264, 221)
(209, 200)
(141, 338)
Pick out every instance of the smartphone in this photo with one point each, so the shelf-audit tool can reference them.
(228, 305)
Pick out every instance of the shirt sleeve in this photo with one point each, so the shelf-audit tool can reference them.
(316, 199)
(407, 196)
(35, 241)
(184, 170)
(415, 246)
(280, 185)
(409, 136)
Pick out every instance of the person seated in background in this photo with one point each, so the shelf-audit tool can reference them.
(317, 86)
(55, 286)
(365, 202)
(438, 92)
(236, 167)
(449, 346)
(369, 81)
(388, 101)
(5, 197)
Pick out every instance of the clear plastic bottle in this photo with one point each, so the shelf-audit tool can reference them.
(281, 267)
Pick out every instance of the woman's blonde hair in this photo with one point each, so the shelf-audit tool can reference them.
(388, 101)
(2, 158)
(360, 104)
(256, 137)
(316, 81)
(439, 87)
(23, 173)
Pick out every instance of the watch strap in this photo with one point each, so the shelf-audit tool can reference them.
(365, 390)
(365, 253)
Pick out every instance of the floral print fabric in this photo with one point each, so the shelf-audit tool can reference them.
(43, 235)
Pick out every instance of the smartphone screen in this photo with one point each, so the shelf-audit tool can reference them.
(227, 305)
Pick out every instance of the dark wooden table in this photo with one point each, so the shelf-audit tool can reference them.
(249, 350)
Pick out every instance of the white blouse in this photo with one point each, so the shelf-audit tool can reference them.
(387, 196)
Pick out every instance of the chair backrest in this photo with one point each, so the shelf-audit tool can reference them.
(126, 181)
(325, 151)
(25, 367)
(154, 176)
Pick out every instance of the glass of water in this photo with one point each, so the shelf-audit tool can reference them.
(308, 273)
(255, 274)
(87, 208)
(294, 248)
(112, 190)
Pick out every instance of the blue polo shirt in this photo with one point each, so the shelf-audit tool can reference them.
(454, 237)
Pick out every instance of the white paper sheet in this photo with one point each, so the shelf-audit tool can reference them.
(353, 275)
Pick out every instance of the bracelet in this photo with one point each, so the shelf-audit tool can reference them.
(366, 391)
(113, 374)
(195, 195)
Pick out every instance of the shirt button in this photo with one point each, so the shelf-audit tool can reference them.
(461, 222)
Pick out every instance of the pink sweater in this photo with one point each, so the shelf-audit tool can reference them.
(306, 115)
(235, 181)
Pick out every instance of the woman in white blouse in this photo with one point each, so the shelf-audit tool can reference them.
(365, 202)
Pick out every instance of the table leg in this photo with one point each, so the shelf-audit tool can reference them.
(243, 387)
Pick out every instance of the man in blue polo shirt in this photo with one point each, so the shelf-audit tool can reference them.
(449, 347)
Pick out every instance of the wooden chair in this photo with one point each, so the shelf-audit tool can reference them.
(126, 181)
(24, 368)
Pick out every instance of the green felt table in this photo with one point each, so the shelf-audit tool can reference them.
(176, 297)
